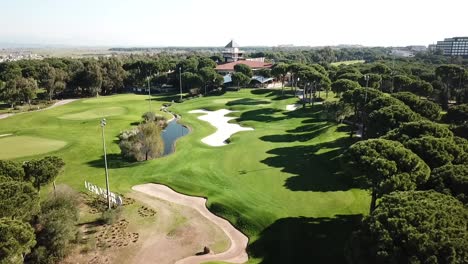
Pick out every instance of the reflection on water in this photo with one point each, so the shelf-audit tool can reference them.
(173, 131)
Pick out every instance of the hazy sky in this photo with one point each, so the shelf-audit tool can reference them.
(215, 22)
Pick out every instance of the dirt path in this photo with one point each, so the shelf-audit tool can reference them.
(237, 250)
(59, 103)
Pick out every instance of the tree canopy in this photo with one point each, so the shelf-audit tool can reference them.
(437, 152)
(452, 180)
(417, 129)
(18, 200)
(413, 227)
(385, 119)
(16, 239)
(384, 166)
(342, 85)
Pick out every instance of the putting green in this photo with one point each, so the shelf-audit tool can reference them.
(96, 113)
(22, 146)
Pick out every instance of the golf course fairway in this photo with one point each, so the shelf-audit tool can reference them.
(280, 184)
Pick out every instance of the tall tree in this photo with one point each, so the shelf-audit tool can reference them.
(47, 78)
(279, 71)
(240, 79)
(457, 114)
(452, 180)
(16, 240)
(449, 75)
(27, 88)
(43, 171)
(437, 152)
(18, 200)
(384, 166)
(417, 129)
(342, 85)
(11, 169)
(385, 119)
(425, 108)
(412, 227)
(244, 69)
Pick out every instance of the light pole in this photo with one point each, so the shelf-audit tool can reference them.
(366, 77)
(103, 124)
(180, 82)
(149, 93)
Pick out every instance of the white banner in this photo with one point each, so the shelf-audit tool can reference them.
(116, 199)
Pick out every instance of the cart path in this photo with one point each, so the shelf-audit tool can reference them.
(236, 253)
(59, 103)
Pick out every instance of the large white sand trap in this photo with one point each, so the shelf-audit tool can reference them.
(220, 121)
(292, 107)
(236, 253)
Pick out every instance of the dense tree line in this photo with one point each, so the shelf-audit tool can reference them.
(33, 231)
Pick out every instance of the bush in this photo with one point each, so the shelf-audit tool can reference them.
(57, 227)
(142, 143)
(111, 216)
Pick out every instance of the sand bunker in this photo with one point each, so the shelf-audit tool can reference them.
(220, 121)
(292, 107)
(236, 253)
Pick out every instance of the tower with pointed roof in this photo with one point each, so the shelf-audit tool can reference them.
(232, 53)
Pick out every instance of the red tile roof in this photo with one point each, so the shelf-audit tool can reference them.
(252, 64)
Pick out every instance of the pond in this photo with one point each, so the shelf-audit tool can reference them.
(173, 131)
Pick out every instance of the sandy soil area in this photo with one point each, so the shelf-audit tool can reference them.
(220, 121)
(150, 230)
(236, 253)
(59, 103)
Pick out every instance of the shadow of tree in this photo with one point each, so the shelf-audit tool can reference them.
(262, 115)
(114, 161)
(305, 240)
(313, 171)
(303, 137)
(247, 101)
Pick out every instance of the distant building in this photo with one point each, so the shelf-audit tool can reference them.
(232, 53)
(253, 64)
(457, 46)
(233, 56)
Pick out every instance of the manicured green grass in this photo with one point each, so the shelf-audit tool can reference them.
(21, 146)
(96, 113)
(281, 183)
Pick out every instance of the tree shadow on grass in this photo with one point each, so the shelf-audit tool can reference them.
(313, 171)
(305, 240)
(114, 161)
(261, 115)
(311, 131)
(247, 101)
(166, 97)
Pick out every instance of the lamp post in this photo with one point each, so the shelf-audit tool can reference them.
(180, 82)
(366, 77)
(149, 93)
(314, 87)
(103, 124)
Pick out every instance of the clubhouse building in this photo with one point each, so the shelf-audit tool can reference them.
(232, 56)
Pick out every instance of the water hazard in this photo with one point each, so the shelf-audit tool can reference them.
(173, 131)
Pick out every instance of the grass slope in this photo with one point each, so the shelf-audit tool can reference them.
(280, 184)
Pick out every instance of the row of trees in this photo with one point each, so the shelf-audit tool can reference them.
(34, 231)
(416, 171)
